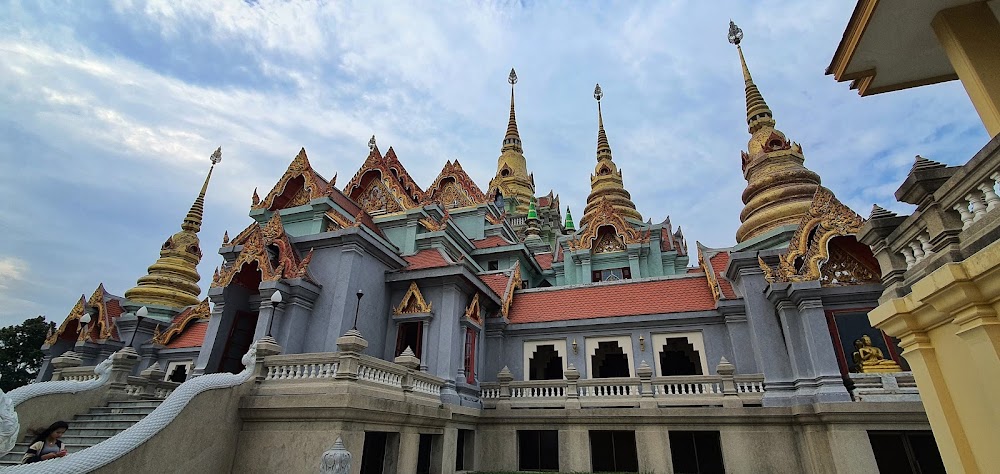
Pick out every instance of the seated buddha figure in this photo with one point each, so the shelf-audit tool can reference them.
(869, 359)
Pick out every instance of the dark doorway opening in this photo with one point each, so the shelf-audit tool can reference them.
(545, 364)
(679, 357)
(465, 450)
(696, 452)
(179, 374)
(409, 335)
(373, 456)
(613, 451)
(906, 452)
(538, 450)
(238, 343)
(610, 361)
(424, 454)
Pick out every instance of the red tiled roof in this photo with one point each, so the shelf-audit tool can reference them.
(544, 260)
(603, 301)
(496, 281)
(429, 258)
(490, 242)
(193, 336)
(719, 262)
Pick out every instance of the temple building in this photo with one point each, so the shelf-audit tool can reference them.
(446, 329)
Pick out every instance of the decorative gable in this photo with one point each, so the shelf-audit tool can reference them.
(182, 321)
(299, 185)
(73, 316)
(412, 302)
(605, 215)
(454, 188)
(473, 311)
(382, 184)
(809, 248)
(272, 252)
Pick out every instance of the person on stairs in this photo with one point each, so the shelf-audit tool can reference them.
(47, 444)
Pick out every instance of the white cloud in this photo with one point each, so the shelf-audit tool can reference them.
(11, 269)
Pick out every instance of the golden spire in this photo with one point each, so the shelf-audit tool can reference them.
(173, 280)
(606, 182)
(758, 113)
(512, 141)
(512, 179)
(779, 188)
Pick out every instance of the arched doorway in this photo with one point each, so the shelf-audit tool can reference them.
(545, 364)
(609, 361)
(679, 357)
(242, 305)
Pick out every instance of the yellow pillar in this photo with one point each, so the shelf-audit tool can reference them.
(970, 36)
(950, 332)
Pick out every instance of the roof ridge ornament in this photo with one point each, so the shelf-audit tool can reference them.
(371, 144)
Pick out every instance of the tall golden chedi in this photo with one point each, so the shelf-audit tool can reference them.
(513, 180)
(779, 188)
(173, 280)
(606, 182)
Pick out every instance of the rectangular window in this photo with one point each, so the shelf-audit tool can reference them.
(538, 450)
(847, 327)
(373, 455)
(493, 265)
(696, 452)
(906, 452)
(611, 274)
(613, 451)
(470, 356)
(409, 335)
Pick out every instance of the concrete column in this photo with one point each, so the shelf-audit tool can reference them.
(449, 447)
(409, 450)
(574, 450)
(969, 35)
(652, 445)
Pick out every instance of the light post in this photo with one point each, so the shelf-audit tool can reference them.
(275, 301)
(356, 309)
(139, 314)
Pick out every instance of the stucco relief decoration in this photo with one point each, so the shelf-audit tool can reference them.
(808, 250)
(273, 266)
(399, 189)
(102, 319)
(608, 241)
(193, 313)
(605, 214)
(495, 220)
(844, 269)
(312, 186)
(336, 221)
(74, 315)
(473, 310)
(454, 188)
(412, 302)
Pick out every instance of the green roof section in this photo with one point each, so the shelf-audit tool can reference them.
(532, 213)
(569, 220)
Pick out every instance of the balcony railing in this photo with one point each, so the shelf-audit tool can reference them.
(352, 367)
(725, 389)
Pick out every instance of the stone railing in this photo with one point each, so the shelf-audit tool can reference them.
(78, 374)
(347, 366)
(884, 387)
(956, 215)
(725, 389)
(516, 221)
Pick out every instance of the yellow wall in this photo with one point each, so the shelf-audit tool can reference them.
(950, 334)
(970, 36)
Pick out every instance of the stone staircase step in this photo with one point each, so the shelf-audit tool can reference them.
(90, 432)
(107, 417)
(104, 423)
(121, 411)
(135, 404)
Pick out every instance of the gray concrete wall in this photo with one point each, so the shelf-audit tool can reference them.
(38, 413)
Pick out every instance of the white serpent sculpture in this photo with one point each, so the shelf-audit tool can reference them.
(9, 425)
(122, 443)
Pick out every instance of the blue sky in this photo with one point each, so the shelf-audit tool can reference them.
(111, 109)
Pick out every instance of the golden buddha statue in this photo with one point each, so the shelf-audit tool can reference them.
(869, 359)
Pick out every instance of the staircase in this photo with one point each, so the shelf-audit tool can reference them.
(98, 424)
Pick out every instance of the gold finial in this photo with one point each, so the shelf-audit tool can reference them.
(758, 113)
(217, 156)
(371, 144)
(598, 93)
(603, 147)
(225, 238)
(512, 140)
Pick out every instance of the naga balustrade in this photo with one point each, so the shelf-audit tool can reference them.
(684, 390)
(341, 367)
(78, 374)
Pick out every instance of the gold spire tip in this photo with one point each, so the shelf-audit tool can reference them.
(512, 77)
(217, 156)
(598, 93)
(735, 33)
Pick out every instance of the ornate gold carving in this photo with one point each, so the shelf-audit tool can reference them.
(608, 241)
(706, 266)
(495, 220)
(843, 269)
(399, 191)
(472, 311)
(412, 302)
(193, 313)
(312, 186)
(254, 200)
(454, 188)
(809, 248)
(605, 214)
(337, 221)
(513, 283)
(272, 251)
(102, 319)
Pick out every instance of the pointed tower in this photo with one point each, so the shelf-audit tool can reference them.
(569, 225)
(173, 280)
(512, 179)
(779, 188)
(606, 182)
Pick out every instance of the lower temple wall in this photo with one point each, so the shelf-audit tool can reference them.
(289, 433)
(202, 439)
(38, 413)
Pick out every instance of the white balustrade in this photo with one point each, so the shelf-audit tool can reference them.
(687, 388)
(80, 378)
(616, 390)
(324, 370)
(917, 250)
(133, 389)
(979, 201)
(379, 376)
